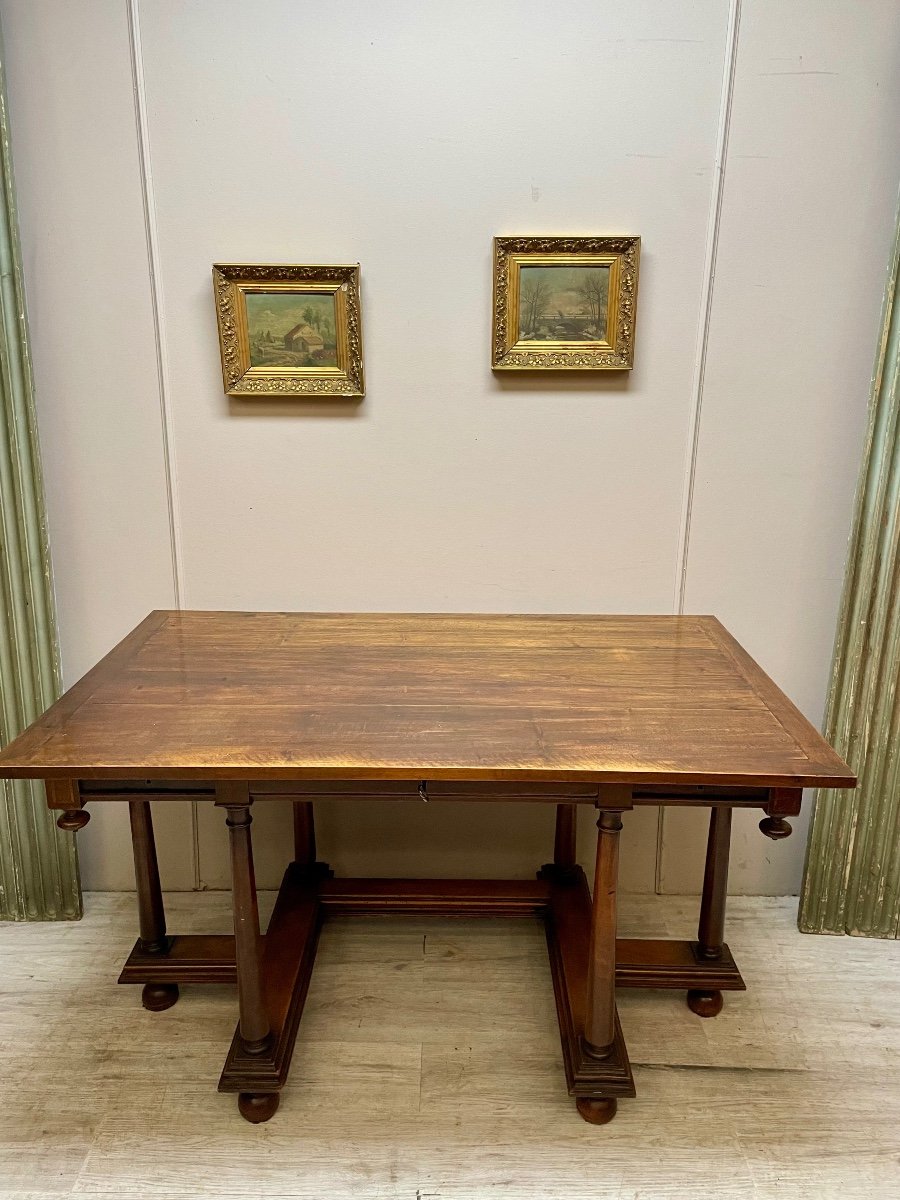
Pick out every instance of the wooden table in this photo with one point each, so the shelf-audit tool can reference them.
(613, 712)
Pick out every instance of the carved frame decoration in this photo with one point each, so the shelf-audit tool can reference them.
(231, 283)
(614, 351)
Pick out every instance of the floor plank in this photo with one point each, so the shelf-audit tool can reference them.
(428, 1066)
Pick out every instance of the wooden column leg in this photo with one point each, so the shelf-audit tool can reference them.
(565, 847)
(600, 1007)
(151, 913)
(304, 834)
(711, 929)
(564, 843)
(305, 840)
(247, 942)
(254, 1019)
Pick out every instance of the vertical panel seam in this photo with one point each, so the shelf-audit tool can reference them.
(699, 373)
(151, 233)
(706, 299)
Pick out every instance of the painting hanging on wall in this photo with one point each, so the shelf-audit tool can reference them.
(289, 330)
(565, 303)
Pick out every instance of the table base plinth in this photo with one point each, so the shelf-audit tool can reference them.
(309, 896)
(192, 958)
(289, 952)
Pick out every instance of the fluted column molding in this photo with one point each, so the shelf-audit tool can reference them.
(852, 879)
(38, 865)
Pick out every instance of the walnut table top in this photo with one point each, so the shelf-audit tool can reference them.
(254, 696)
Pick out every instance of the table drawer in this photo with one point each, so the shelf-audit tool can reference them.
(442, 789)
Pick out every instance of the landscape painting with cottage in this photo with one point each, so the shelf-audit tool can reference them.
(291, 329)
(563, 304)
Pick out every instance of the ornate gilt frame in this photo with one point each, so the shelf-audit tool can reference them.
(232, 281)
(615, 352)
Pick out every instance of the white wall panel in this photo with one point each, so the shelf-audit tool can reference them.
(807, 221)
(420, 137)
(86, 282)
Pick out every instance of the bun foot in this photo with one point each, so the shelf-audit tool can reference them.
(596, 1112)
(705, 1004)
(256, 1107)
(156, 997)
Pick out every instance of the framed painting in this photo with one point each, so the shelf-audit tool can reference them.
(565, 303)
(289, 330)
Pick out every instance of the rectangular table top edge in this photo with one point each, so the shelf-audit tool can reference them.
(820, 754)
(824, 767)
(462, 774)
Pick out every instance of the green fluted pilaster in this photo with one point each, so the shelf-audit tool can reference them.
(38, 866)
(852, 878)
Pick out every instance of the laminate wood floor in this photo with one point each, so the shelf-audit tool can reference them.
(428, 1068)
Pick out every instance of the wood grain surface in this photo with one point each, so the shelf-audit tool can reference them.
(252, 696)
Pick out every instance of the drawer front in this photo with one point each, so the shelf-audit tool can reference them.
(442, 789)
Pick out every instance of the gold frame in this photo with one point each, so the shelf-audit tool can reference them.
(231, 282)
(614, 352)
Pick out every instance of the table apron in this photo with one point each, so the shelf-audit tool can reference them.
(775, 801)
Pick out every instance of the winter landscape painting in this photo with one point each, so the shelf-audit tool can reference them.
(563, 304)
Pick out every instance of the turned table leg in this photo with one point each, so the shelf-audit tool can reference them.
(151, 914)
(305, 840)
(254, 1020)
(564, 841)
(565, 846)
(304, 834)
(711, 929)
(600, 1009)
